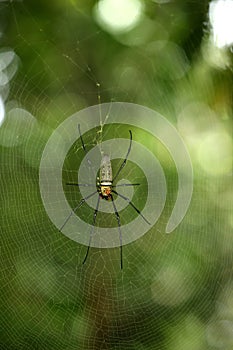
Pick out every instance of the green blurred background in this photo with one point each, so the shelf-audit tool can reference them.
(175, 291)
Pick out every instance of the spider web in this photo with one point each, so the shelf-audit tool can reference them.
(175, 291)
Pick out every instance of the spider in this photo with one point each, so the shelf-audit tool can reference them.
(104, 188)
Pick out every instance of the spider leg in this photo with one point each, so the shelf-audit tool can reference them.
(80, 134)
(92, 228)
(83, 200)
(79, 185)
(132, 205)
(119, 229)
(83, 144)
(120, 185)
(126, 157)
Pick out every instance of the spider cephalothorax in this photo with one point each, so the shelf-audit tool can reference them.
(105, 191)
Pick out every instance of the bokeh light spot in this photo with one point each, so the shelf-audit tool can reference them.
(161, 1)
(215, 153)
(2, 111)
(118, 16)
(221, 14)
(6, 58)
(171, 286)
(17, 127)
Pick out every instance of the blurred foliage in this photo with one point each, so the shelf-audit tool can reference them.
(175, 291)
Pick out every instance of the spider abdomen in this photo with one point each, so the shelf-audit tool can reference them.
(105, 178)
(105, 170)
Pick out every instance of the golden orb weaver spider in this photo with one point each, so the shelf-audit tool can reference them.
(104, 188)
